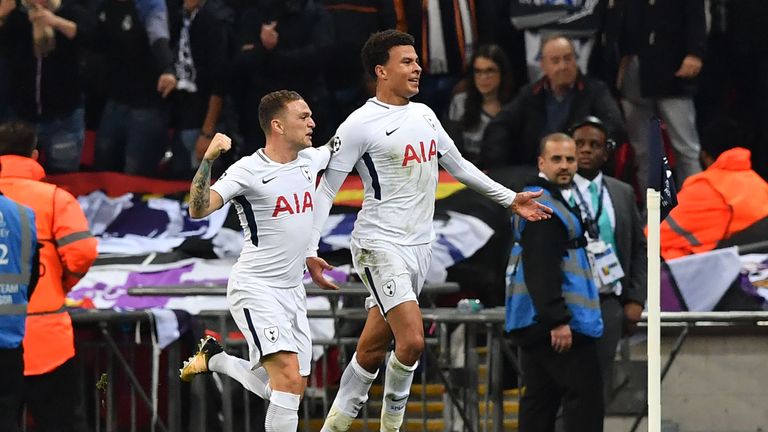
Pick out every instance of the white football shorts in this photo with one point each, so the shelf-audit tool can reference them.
(272, 320)
(392, 273)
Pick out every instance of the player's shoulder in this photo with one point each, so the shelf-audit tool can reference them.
(311, 154)
(248, 165)
(422, 108)
(358, 124)
(371, 109)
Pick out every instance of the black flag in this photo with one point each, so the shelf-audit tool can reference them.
(659, 174)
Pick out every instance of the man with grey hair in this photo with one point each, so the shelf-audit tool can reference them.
(548, 105)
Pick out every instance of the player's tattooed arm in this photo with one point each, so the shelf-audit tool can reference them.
(199, 193)
(202, 200)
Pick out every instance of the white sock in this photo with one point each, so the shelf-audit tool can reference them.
(283, 412)
(352, 395)
(257, 381)
(397, 388)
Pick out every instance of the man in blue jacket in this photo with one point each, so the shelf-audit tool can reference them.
(19, 271)
(553, 306)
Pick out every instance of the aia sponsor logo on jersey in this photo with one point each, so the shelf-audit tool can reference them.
(420, 153)
(293, 205)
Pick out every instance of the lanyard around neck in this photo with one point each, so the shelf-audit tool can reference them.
(586, 205)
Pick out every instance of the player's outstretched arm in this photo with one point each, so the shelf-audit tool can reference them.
(522, 203)
(202, 200)
(526, 206)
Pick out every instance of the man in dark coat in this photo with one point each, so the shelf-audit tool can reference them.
(284, 44)
(608, 205)
(663, 50)
(549, 105)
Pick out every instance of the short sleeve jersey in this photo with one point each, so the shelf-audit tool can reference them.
(274, 202)
(395, 149)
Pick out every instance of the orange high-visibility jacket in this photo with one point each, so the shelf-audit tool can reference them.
(713, 205)
(68, 251)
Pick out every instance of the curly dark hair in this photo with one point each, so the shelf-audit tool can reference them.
(376, 49)
(474, 104)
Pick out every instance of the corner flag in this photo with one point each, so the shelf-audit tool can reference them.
(659, 174)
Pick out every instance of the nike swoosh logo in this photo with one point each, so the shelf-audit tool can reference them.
(400, 399)
(267, 180)
(391, 132)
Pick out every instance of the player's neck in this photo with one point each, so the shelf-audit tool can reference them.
(389, 97)
(280, 154)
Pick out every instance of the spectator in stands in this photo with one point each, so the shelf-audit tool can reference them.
(284, 44)
(133, 134)
(43, 39)
(549, 105)
(5, 77)
(554, 316)
(605, 57)
(736, 84)
(663, 49)
(68, 249)
(608, 209)
(19, 272)
(200, 32)
(577, 21)
(488, 88)
(728, 198)
(446, 35)
(354, 21)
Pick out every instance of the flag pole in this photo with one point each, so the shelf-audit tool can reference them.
(653, 200)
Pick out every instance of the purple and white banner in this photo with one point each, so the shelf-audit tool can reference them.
(107, 287)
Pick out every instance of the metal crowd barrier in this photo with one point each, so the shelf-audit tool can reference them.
(688, 320)
(104, 392)
(223, 323)
(466, 397)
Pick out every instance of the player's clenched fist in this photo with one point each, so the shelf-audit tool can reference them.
(219, 144)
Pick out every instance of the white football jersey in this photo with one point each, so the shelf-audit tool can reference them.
(275, 204)
(395, 150)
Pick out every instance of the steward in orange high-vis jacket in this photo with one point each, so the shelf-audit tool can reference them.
(68, 250)
(726, 198)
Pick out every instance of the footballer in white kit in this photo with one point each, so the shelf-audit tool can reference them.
(396, 150)
(275, 204)
(395, 145)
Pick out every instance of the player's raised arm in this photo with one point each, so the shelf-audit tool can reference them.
(202, 200)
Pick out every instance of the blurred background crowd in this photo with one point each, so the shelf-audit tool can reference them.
(140, 86)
